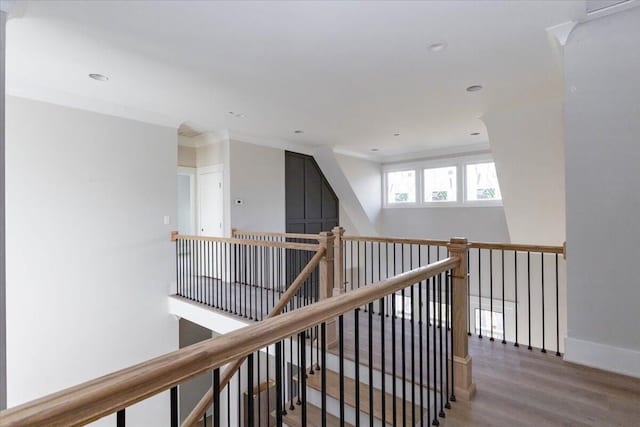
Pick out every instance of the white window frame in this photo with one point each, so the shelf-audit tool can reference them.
(385, 187)
(461, 178)
(467, 202)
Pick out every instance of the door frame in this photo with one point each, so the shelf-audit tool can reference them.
(203, 171)
(193, 183)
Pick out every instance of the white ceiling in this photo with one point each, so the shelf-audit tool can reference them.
(350, 74)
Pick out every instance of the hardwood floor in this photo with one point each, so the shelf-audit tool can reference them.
(516, 386)
(519, 387)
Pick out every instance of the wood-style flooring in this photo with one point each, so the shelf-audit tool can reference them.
(515, 386)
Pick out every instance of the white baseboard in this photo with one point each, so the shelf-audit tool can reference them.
(615, 359)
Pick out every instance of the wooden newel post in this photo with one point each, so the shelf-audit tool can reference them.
(326, 240)
(338, 261)
(463, 385)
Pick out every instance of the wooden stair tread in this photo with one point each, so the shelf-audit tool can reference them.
(333, 390)
(314, 417)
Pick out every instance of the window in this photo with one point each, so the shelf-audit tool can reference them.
(440, 184)
(482, 182)
(401, 187)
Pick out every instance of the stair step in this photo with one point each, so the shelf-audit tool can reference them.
(314, 417)
(333, 390)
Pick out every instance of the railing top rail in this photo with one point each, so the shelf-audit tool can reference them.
(274, 234)
(518, 247)
(481, 245)
(250, 242)
(95, 399)
(398, 240)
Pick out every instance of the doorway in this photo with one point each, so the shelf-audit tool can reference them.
(211, 201)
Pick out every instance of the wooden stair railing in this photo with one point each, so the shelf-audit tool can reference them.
(111, 393)
(205, 402)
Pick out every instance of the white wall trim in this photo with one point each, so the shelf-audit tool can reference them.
(602, 356)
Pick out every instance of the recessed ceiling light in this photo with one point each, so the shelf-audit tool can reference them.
(375, 149)
(474, 133)
(474, 88)
(438, 47)
(99, 77)
(298, 131)
(396, 134)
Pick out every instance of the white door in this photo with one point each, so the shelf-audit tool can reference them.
(211, 199)
(210, 218)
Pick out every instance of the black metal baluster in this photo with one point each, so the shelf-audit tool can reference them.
(352, 264)
(420, 370)
(173, 395)
(239, 396)
(121, 418)
(515, 268)
(382, 361)
(453, 382)
(279, 391)
(413, 346)
(447, 328)
(440, 328)
(544, 349)
(303, 378)
(216, 398)
(258, 387)
(480, 289)
(356, 346)
(250, 410)
(427, 325)
(393, 346)
(557, 312)
(370, 336)
(504, 324)
(435, 348)
(323, 372)
(529, 295)
(341, 366)
(490, 292)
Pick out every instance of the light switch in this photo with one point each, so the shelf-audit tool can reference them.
(167, 220)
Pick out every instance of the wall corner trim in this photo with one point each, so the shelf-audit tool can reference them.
(562, 31)
(602, 356)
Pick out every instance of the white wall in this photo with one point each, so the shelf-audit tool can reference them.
(602, 111)
(365, 177)
(257, 178)
(485, 224)
(527, 146)
(89, 259)
(355, 205)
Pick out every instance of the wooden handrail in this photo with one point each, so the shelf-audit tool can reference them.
(235, 232)
(518, 247)
(249, 242)
(482, 245)
(95, 399)
(397, 240)
(201, 407)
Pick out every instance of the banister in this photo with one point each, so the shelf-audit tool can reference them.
(249, 242)
(549, 249)
(552, 249)
(95, 399)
